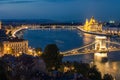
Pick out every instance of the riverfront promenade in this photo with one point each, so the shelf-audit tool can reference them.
(105, 32)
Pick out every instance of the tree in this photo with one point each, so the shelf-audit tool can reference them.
(3, 75)
(107, 77)
(82, 68)
(38, 51)
(94, 74)
(52, 57)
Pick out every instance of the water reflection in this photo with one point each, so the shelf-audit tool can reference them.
(100, 57)
(87, 38)
(112, 66)
(109, 67)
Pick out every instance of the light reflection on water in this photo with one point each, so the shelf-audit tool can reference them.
(109, 67)
(112, 66)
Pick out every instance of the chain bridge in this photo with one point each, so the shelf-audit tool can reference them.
(100, 45)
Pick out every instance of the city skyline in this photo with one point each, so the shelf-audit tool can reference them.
(59, 39)
(60, 10)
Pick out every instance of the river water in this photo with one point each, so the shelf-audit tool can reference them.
(65, 39)
(70, 39)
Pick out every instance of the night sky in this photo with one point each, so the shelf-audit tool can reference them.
(60, 10)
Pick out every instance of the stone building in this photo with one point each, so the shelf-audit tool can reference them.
(10, 45)
(92, 25)
(14, 46)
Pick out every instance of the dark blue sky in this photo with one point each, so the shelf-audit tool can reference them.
(60, 10)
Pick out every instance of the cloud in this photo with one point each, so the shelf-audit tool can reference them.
(60, 0)
(16, 1)
(30, 1)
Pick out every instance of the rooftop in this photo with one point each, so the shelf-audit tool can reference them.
(14, 39)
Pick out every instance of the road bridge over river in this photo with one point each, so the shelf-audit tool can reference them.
(100, 45)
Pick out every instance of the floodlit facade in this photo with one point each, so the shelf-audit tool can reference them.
(10, 45)
(92, 25)
(14, 46)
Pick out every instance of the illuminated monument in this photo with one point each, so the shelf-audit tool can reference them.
(92, 25)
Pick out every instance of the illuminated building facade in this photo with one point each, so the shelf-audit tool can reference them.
(10, 45)
(92, 25)
(14, 46)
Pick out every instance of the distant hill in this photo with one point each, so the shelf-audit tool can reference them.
(15, 22)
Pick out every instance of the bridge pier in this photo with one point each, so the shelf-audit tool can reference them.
(100, 57)
(101, 48)
(100, 43)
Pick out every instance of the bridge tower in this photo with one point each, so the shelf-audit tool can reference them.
(100, 43)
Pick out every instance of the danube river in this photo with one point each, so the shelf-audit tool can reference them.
(70, 39)
(65, 39)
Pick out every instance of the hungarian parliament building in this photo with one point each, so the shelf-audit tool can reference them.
(92, 25)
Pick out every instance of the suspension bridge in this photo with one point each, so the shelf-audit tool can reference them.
(100, 45)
